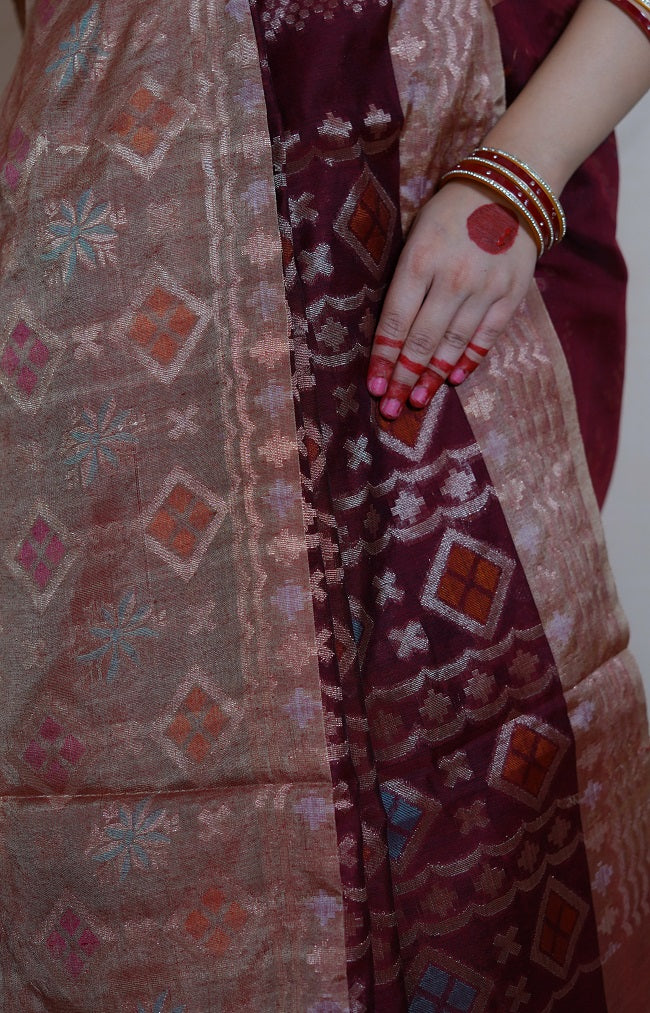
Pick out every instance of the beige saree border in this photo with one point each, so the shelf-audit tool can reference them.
(279, 659)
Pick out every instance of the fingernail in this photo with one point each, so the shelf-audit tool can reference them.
(377, 385)
(457, 376)
(420, 396)
(391, 408)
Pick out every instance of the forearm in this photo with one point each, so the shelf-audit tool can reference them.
(598, 70)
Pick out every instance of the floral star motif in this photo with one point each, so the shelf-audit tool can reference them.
(80, 45)
(133, 835)
(84, 233)
(122, 628)
(97, 436)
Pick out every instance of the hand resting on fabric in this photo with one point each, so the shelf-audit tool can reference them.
(468, 260)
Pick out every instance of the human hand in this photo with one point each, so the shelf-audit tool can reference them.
(466, 266)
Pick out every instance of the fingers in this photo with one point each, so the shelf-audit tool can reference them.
(492, 326)
(430, 352)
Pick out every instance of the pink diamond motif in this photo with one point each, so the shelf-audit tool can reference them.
(56, 944)
(26, 380)
(69, 921)
(39, 353)
(50, 729)
(74, 964)
(55, 551)
(88, 942)
(56, 775)
(42, 576)
(72, 749)
(12, 175)
(9, 362)
(20, 333)
(27, 555)
(40, 530)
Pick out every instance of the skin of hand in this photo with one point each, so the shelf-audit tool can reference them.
(446, 292)
(450, 298)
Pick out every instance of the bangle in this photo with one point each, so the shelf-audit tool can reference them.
(459, 172)
(536, 183)
(638, 10)
(521, 187)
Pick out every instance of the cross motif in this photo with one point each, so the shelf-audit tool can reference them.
(457, 768)
(357, 449)
(518, 995)
(182, 422)
(387, 589)
(506, 945)
(347, 400)
(409, 640)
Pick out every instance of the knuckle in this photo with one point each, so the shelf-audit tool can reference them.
(418, 260)
(421, 343)
(391, 324)
(455, 339)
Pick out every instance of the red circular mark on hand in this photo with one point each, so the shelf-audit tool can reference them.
(493, 228)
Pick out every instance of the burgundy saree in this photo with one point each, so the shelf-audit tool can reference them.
(303, 711)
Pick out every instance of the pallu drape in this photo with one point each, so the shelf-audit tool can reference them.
(302, 710)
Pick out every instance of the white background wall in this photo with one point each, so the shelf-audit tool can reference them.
(627, 511)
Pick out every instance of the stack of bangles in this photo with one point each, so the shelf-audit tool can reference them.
(520, 187)
(638, 10)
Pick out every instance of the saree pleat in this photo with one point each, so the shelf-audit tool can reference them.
(304, 710)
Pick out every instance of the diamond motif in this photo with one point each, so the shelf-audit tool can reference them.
(52, 754)
(367, 220)
(438, 984)
(28, 360)
(164, 326)
(410, 815)
(42, 556)
(182, 521)
(468, 582)
(147, 121)
(199, 723)
(562, 916)
(71, 937)
(527, 756)
(217, 921)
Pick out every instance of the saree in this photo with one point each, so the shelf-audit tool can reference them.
(303, 710)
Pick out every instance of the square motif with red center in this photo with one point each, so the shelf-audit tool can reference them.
(198, 726)
(182, 521)
(53, 753)
(144, 124)
(366, 222)
(29, 356)
(467, 583)
(164, 326)
(562, 916)
(42, 556)
(526, 758)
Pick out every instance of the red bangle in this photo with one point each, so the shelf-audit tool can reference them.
(639, 14)
(523, 194)
(539, 187)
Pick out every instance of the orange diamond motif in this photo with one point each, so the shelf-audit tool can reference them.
(140, 123)
(197, 725)
(468, 583)
(173, 523)
(217, 921)
(527, 756)
(370, 221)
(164, 326)
(529, 759)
